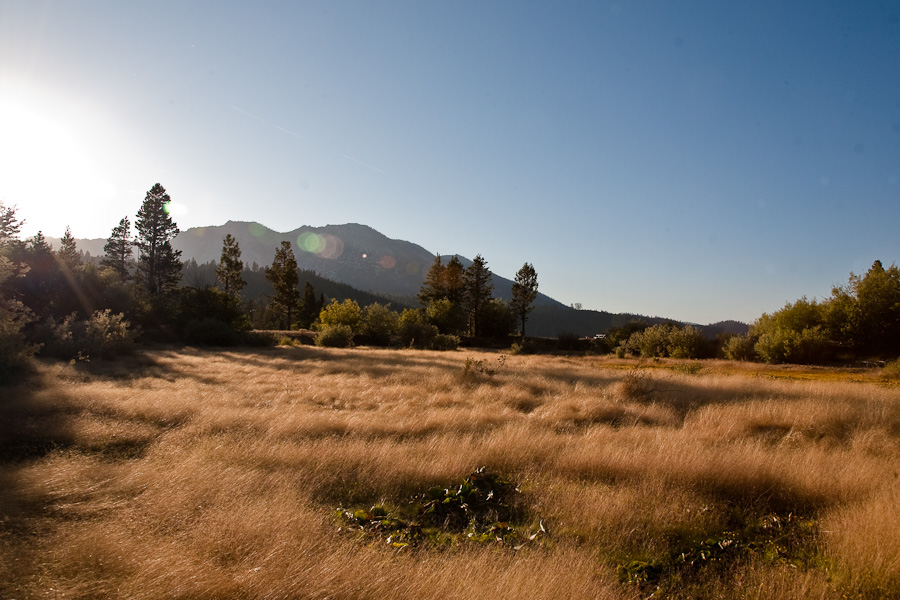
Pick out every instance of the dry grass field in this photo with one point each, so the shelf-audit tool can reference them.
(184, 473)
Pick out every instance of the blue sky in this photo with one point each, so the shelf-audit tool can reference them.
(696, 160)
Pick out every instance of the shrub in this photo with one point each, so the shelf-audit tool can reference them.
(380, 323)
(104, 334)
(446, 315)
(740, 347)
(345, 313)
(892, 370)
(687, 342)
(335, 336)
(445, 341)
(414, 330)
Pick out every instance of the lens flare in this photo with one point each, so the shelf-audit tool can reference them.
(323, 246)
(311, 242)
(334, 247)
(257, 230)
(387, 262)
(412, 267)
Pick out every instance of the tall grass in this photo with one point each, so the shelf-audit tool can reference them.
(195, 474)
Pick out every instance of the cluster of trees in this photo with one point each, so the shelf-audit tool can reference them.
(459, 301)
(59, 303)
(454, 301)
(861, 320)
(672, 340)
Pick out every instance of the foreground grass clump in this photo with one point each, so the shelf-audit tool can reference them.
(184, 473)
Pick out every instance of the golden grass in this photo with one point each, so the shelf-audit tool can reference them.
(203, 474)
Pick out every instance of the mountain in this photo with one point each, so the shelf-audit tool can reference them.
(352, 253)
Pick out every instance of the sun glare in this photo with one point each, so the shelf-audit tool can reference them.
(48, 169)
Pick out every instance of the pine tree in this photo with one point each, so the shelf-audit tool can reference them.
(309, 307)
(159, 266)
(478, 292)
(9, 225)
(433, 287)
(230, 267)
(67, 255)
(284, 276)
(524, 292)
(119, 249)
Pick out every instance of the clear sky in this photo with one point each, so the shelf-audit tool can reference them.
(700, 160)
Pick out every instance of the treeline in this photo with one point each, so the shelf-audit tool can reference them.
(860, 321)
(55, 302)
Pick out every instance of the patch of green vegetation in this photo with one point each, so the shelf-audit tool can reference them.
(484, 508)
(692, 554)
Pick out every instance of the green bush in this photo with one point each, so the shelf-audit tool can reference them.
(445, 341)
(104, 334)
(415, 331)
(687, 342)
(335, 336)
(380, 323)
(345, 313)
(446, 315)
(740, 347)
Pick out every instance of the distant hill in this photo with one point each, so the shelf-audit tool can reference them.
(373, 265)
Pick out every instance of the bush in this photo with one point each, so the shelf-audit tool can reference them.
(446, 315)
(335, 336)
(380, 323)
(345, 313)
(445, 341)
(740, 347)
(104, 334)
(415, 331)
(687, 342)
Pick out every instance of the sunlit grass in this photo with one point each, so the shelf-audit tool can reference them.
(201, 474)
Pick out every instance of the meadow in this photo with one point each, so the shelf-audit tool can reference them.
(303, 472)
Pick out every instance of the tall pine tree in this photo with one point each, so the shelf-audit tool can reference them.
(284, 276)
(479, 290)
(524, 292)
(67, 255)
(230, 267)
(119, 249)
(159, 265)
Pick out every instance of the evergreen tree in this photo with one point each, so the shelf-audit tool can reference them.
(284, 276)
(230, 267)
(118, 250)
(524, 292)
(159, 266)
(9, 225)
(67, 255)
(433, 286)
(478, 292)
(41, 284)
(310, 307)
(443, 295)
